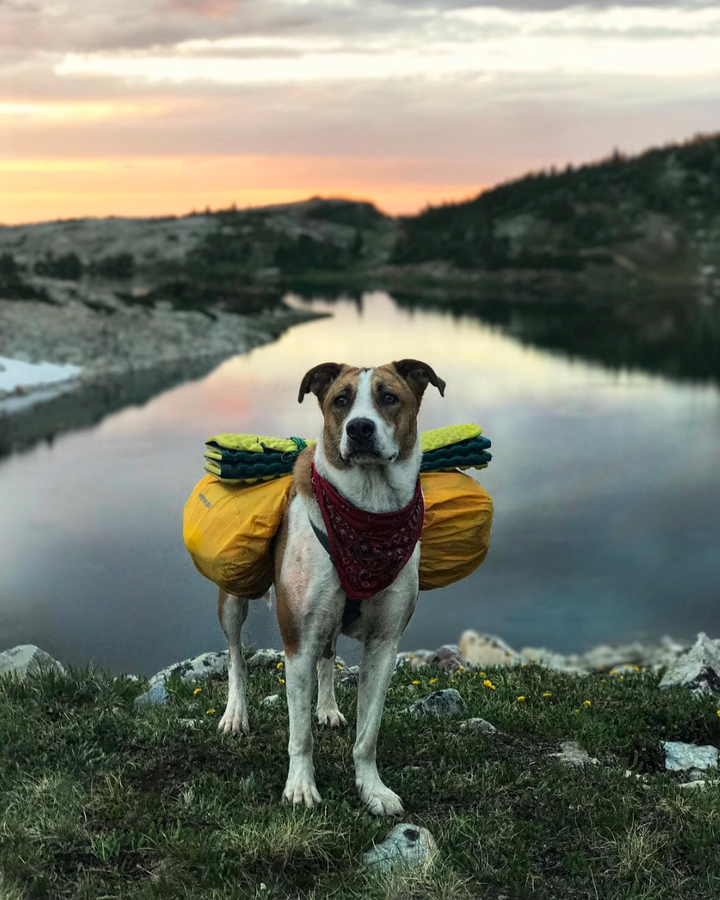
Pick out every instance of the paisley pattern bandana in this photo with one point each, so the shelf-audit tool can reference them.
(368, 550)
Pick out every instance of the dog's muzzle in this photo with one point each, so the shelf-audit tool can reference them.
(362, 433)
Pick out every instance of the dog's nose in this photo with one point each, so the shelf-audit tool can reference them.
(360, 430)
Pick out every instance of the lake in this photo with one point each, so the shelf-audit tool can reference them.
(606, 488)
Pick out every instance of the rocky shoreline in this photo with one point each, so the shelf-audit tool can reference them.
(123, 354)
(696, 667)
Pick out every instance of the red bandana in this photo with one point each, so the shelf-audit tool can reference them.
(368, 550)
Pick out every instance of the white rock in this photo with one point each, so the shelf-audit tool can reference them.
(415, 659)
(194, 669)
(681, 757)
(572, 754)
(698, 669)
(349, 675)
(693, 785)
(155, 695)
(270, 700)
(481, 725)
(440, 703)
(406, 847)
(549, 658)
(27, 659)
(485, 650)
(266, 659)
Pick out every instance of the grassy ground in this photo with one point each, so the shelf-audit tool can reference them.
(100, 800)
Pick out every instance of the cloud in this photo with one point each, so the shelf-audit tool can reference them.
(397, 96)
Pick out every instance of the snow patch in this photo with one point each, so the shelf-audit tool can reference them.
(15, 373)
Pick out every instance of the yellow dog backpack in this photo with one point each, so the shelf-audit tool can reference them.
(229, 530)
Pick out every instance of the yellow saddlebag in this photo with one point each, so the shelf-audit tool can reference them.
(229, 530)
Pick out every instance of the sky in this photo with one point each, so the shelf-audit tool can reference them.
(155, 107)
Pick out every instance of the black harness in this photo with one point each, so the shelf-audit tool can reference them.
(352, 607)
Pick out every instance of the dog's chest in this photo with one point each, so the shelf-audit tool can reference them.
(306, 569)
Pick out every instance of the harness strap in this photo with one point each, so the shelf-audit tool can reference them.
(352, 607)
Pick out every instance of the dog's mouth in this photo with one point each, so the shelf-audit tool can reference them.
(366, 456)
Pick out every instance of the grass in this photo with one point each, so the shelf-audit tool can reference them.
(101, 800)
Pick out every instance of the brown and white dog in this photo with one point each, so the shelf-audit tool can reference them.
(370, 453)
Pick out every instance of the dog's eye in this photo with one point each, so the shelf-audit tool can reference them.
(340, 400)
(388, 399)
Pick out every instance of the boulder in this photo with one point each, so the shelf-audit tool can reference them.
(485, 650)
(698, 669)
(27, 659)
(680, 757)
(270, 700)
(194, 669)
(406, 847)
(439, 703)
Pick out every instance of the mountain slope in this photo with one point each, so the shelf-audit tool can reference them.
(659, 209)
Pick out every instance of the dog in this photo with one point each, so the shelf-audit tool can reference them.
(330, 578)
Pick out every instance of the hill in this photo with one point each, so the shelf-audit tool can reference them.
(656, 212)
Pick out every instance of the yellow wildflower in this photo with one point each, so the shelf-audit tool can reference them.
(210, 712)
(197, 691)
(576, 710)
(432, 681)
(587, 702)
(415, 682)
(279, 665)
(483, 674)
(281, 681)
(718, 712)
(462, 668)
(489, 684)
(547, 694)
(521, 699)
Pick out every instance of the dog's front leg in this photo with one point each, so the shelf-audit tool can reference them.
(300, 675)
(376, 670)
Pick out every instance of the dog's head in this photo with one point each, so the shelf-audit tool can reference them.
(370, 414)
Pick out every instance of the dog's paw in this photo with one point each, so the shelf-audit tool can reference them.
(380, 800)
(234, 721)
(331, 716)
(301, 792)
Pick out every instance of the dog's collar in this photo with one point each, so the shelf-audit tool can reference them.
(368, 550)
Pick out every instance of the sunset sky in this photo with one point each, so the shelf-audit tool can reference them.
(159, 107)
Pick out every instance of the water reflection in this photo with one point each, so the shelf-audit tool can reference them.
(605, 487)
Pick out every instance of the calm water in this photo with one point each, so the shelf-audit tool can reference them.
(606, 488)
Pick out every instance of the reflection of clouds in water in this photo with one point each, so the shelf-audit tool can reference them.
(604, 483)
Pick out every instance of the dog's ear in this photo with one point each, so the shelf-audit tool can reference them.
(418, 376)
(318, 380)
